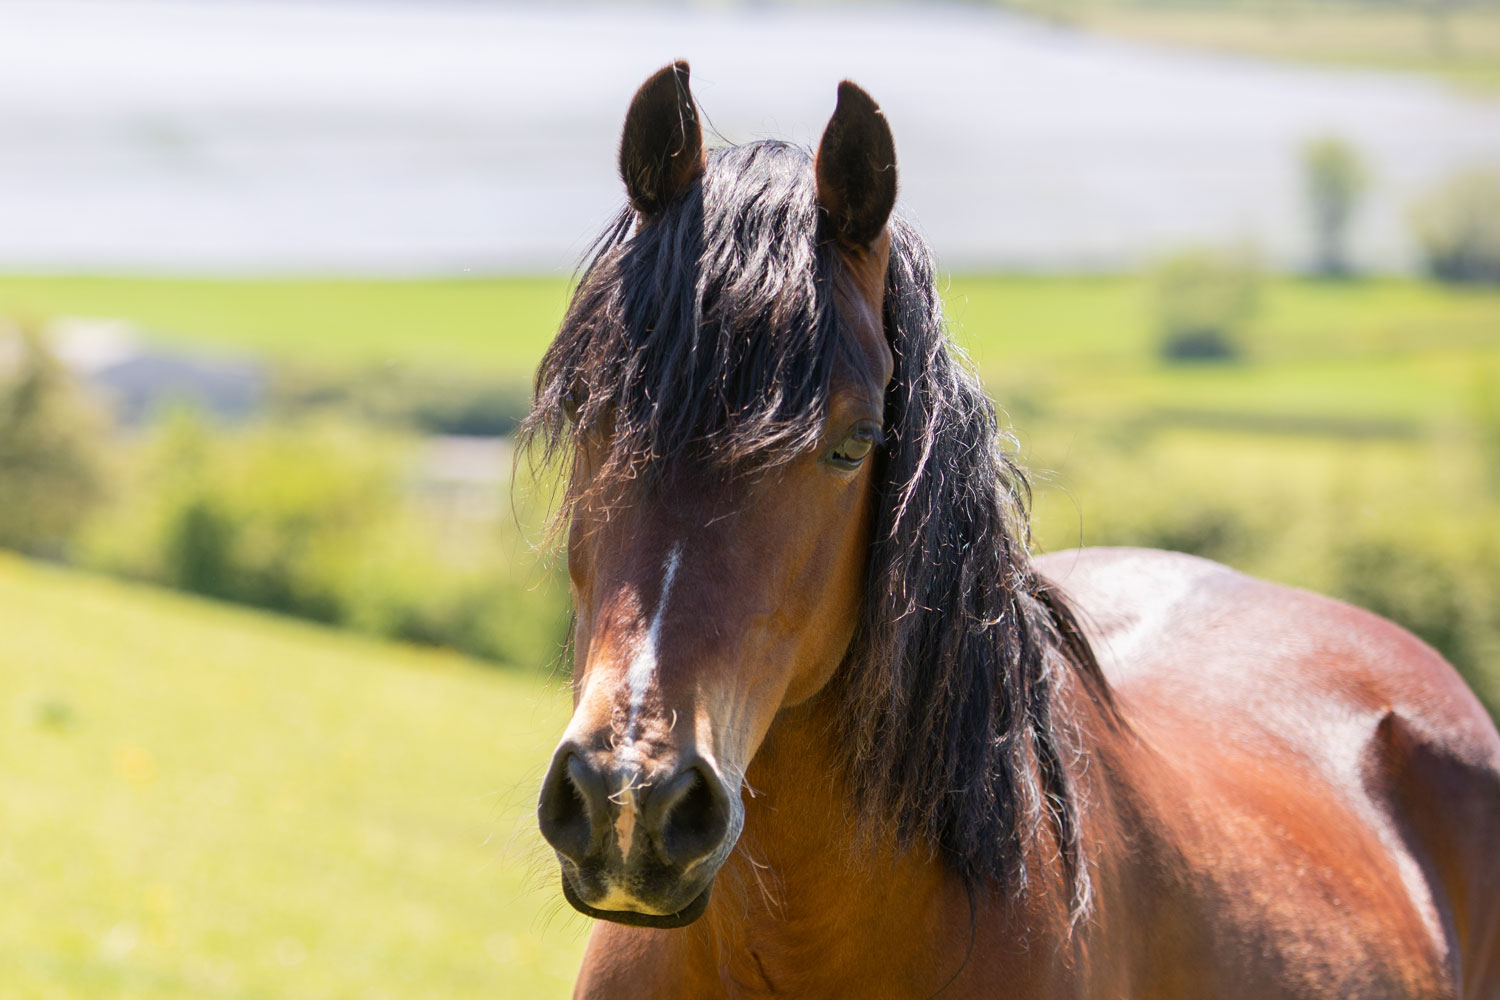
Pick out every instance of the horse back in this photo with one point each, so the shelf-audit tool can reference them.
(1296, 782)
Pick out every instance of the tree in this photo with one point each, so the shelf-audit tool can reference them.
(51, 455)
(1335, 178)
(1458, 226)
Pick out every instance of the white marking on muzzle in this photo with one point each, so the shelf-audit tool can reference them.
(625, 822)
(619, 898)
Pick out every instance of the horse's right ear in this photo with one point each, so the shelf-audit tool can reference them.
(661, 152)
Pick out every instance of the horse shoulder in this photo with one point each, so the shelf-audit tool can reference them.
(1318, 781)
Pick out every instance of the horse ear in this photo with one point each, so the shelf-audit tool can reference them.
(661, 152)
(856, 168)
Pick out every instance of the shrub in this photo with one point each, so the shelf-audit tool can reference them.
(1446, 594)
(1202, 298)
(1408, 534)
(51, 448)
(260, 516)
(437, 403)
(1458, 227)
(1485, 427)
(314, 518)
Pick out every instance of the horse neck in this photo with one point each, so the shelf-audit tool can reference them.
(811, 906)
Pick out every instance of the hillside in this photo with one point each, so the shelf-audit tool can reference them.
(202, 802)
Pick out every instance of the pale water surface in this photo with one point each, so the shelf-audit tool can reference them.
(442, 137)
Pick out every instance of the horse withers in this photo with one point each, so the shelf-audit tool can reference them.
(837, 734)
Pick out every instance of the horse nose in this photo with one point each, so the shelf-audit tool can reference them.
(688, 816)
(573, 811)
(684, 812)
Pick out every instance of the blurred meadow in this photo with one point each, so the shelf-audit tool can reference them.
(282, 630)
(1456, 42)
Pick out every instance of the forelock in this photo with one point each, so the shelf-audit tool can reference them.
(707, 334)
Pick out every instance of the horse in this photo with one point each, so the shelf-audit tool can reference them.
(838, 733)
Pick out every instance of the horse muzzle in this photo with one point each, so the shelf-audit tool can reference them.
(637, 847)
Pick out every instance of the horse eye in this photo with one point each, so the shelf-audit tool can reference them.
(572, 402)
(855, 448)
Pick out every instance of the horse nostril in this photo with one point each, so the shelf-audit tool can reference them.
(694, 811)
(571, 809)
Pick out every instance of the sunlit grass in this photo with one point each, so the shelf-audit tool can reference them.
(1361, 350)
(1360, 356)
(499, 326)
(1458, 44)
(205, 802)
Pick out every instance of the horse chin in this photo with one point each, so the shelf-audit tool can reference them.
(631, 918)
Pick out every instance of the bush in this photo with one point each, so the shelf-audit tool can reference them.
(1485, 427)
(313, 518)
(1458, 227)
(1406, 533)
(260, 516)
(51, 448)
(437, 403)
(1448, 595)
(1202, 298)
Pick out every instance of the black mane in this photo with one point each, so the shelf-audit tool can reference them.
(711, 335)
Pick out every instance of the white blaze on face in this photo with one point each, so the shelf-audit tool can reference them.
(639, 677)
(642, 670)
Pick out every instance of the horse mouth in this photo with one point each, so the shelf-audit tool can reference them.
(632, 918)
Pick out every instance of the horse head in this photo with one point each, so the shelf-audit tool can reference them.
(721, 379)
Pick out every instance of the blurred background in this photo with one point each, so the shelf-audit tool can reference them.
(280, 638)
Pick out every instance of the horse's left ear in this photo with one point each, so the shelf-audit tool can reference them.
(661, 151)
(856, 168)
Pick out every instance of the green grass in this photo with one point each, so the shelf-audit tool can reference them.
(496, 326)
(204, 802)
(1459, 44)
(1392, 350)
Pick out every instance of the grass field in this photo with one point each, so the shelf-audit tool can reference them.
(1389, 351)
(1456, 43)
(204, 802)
(500, 326)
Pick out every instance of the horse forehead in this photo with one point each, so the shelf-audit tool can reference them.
(866, 267)
(859, 292)
(708, 515)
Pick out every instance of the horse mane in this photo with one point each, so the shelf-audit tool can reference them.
(710, 335)
(707, 336)
(959, 654)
